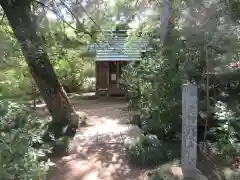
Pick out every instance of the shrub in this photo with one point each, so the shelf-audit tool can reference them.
(69, 71)
(159, 175)
(235, 176)
(145, 151)
(88, 85)
(163, 172)
(19, 132)
(73, 70)
(14, 84)
(154, 89)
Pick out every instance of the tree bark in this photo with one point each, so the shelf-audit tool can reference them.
(21, 20)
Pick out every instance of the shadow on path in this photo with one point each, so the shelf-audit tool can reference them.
(97, 162)
(99, 152)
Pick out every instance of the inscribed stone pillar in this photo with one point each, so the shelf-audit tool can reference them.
(189, 129)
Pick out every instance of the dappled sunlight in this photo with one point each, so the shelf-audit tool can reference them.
(97, 111)
(97, 152)
(121, 134)
(105, 161)
(100, 111)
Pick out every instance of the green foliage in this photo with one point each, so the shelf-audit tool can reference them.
(65, 50)
(69, 56)
(234, 176)
(163, 172)
(13, 83)
(73, 71)
(14, 77)
(144, 153)
(159, 175)
(154, 85)
(69, 71)
(154, 89)
(226, 128)
(147, 152)
(19, 132)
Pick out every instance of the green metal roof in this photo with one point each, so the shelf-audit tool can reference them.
(117, 49)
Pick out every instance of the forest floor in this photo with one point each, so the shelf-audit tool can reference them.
(97, 150)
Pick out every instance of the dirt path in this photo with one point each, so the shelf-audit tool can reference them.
(97, 151)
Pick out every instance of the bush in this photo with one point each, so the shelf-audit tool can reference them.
(88, 85)
(148, 152)
(19, 132)
(144, 153)
(160, 175)
(163, 172)
(69, 71)
(154, 89)
(14, 84)
(234, 176)
(73, 70)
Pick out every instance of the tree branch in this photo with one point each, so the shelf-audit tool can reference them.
(56, 13)
(91, 18)
(70, 11)
(76, 18)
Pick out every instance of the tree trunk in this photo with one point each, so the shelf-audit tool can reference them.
(21, 20)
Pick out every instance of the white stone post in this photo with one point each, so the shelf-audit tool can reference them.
(189, 129)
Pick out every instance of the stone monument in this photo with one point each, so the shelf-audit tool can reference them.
(189, 129)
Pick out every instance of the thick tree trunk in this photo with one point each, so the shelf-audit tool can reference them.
(25, 29)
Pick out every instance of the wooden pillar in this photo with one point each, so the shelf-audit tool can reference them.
(96, 76)
(117, 64)
(108, 77)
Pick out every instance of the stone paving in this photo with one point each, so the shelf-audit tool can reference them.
(97, 151)
(106, 133)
